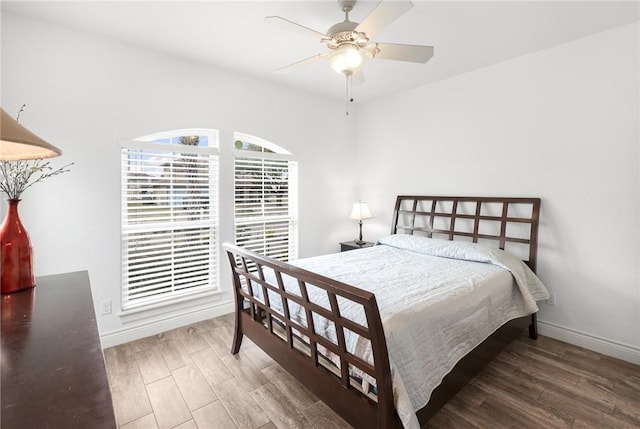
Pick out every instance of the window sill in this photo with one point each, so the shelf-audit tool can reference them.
(187, 298)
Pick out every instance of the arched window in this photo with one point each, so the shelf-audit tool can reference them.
(169, 216)
(266, 197)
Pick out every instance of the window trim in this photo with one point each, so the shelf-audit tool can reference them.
(260, 142)
(185, 296)
(279, 154)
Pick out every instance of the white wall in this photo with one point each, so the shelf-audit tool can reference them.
(560, 124)
(84, 93)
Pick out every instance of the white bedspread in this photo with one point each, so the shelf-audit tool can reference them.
(438, 300)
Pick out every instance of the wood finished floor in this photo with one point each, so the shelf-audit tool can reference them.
(187, 379)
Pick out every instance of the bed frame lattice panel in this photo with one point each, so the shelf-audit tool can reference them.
(508, 223)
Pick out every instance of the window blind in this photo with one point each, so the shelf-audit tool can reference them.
(169, 221)
(266, 205)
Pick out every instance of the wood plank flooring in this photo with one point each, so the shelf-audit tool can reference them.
(187, 379)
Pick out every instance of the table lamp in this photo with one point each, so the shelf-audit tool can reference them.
(359, 212)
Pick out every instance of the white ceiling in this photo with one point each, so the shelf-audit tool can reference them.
(232, 34)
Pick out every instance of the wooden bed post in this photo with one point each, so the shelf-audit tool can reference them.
(387, 417)
(533, 327)
(237, 333)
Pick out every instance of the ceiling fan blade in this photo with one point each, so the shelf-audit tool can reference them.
(381, 16)
(295, 28)
(400, 52)
(304, 62)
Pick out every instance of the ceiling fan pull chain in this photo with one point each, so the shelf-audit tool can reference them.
(349, 83)
(347, 76)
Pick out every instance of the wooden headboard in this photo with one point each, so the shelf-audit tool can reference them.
(509, 223)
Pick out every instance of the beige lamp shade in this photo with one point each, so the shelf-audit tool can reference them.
(17, 142)
(360, 211)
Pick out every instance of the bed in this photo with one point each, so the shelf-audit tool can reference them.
(385, 344)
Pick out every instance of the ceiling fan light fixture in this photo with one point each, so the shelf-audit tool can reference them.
(346, 59)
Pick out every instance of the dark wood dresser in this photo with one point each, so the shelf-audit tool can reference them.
(53, 372)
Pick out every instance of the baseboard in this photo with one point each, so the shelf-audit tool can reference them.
(601, 345)
(125, 335)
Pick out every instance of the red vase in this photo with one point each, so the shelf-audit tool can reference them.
(16, 272)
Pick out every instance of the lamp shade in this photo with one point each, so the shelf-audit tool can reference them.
(17, 142)
(361, 211)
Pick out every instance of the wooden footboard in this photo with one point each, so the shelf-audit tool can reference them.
(265, 292)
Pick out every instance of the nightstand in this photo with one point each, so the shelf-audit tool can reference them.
(351, 245)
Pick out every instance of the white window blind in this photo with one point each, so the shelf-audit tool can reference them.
(169, 221)
(266, 206)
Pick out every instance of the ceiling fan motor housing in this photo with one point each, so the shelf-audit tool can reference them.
(343, 32)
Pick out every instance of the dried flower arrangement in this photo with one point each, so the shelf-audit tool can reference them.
(17, 176)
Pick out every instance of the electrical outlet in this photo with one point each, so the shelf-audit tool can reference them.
(105, 307)
(552, 299)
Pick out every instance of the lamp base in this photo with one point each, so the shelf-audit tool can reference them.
(359, 242)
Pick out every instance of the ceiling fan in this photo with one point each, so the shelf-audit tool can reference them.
(350, 43)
